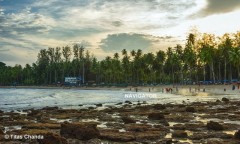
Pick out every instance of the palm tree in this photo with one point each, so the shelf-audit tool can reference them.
(224, 47)
(234, 56)
(133, 54)
(124, 52)
(159, 63)
(116, 56)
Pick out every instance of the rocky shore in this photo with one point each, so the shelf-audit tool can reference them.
(215, 122)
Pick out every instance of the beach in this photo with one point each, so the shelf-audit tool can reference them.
(215, 120)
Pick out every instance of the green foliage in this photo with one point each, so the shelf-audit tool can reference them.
(205, 58)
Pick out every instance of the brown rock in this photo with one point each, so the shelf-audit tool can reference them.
(128, 120)
(237, 134)
(190, 109)
(156, 116)
(179, 127)
(81, 131)
(1, 132)
(159, 106)
(117, 136)
(50, 108)
(214, 126)
(99, 105)
(149, 135)
(179, 134)
(215, 141)
(42, 126)
(51, 138)
(225, 99)
(137, 127)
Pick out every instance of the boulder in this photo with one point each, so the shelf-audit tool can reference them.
(128, 120)
(190, 109)
(156, 116)
(237, 134)
(149, 135)
(214, 126)
(1, 132)
(99, 105)
(51, 138)
(50, 108)
(113, 135)
(179, 127)
(179, 134)
(120, 103)
(137, 127)
(159, 106)
(225, 99)
(81, 131)
(128, 102)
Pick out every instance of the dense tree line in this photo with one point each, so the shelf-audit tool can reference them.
(204, 57)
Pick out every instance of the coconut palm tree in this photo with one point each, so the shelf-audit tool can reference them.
(234, 56)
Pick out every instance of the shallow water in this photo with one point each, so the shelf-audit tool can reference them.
(12, 99)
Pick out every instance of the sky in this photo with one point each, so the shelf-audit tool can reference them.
(107, 26)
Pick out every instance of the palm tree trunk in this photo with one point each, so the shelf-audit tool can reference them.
(225, 69)
(219, 71)
(213, 74)
(238, 73)
(204, 73)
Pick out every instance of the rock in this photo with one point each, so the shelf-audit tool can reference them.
(117, 136)
(225, 99)
(80, 105)
(203, 135)
(237, 134)
(120, 103)
(128, 120)
(128, 102)
(195, 126)
(179, 127)
(1, 132)
(214, 126)
(159, 106)
(218, 101)
(50, 108)
(1, 111)
(34, 113)
(190, 109)
(156, 116)
(81, 131)
(51, 138)
(164, 122)
(91, 108)
(215, 141)
(149, 135)
(41, 126)
(179, 134)
(98, 105)
(137, 127)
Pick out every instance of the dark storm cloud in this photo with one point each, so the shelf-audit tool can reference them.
(218, 7)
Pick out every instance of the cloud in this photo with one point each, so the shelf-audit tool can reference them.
(218, 7)
(117, 42)
(131, 41)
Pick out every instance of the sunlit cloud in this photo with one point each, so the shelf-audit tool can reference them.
(108, 25)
